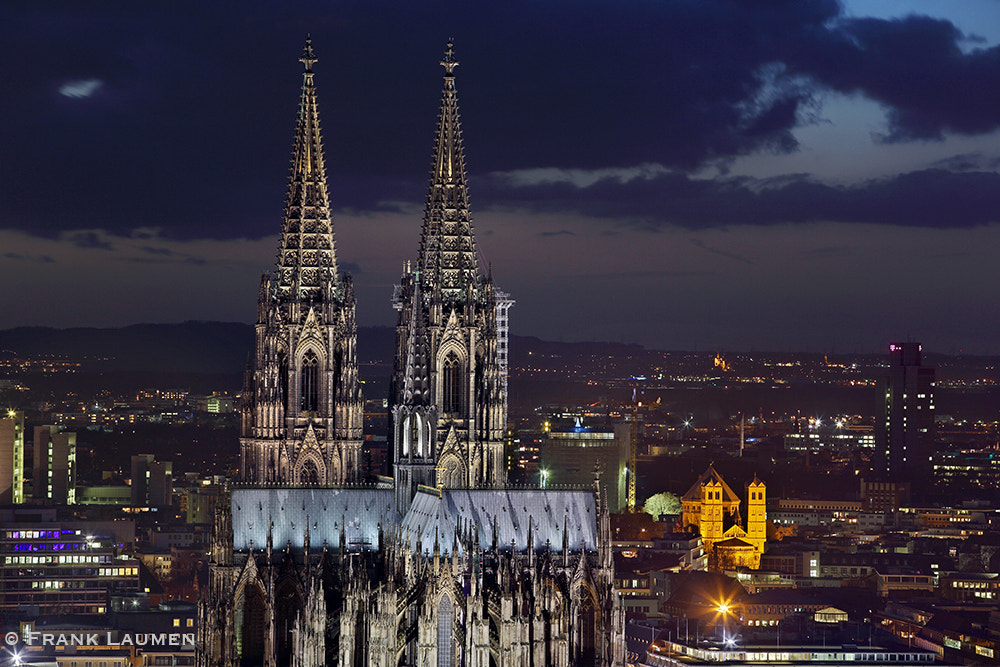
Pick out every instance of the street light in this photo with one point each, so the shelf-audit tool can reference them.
(724, 608)
(545, 477)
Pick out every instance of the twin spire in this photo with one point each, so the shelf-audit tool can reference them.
(307, 259)
(447, 259)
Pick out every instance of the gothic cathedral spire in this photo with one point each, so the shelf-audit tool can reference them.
(302, 409)
(448, 397)
(447, 246)
(307, 261)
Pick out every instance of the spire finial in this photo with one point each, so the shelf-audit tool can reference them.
(449, 63)
(308, 58)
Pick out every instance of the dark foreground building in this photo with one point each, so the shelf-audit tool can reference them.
(443, 565)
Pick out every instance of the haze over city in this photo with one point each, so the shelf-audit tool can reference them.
(782, 175)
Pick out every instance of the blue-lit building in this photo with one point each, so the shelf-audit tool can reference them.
(48, 568)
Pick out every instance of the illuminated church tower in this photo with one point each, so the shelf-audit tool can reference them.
(302, 410)
(431, 571)
(447, 394)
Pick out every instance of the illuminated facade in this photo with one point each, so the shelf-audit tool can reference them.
(448, 404)
(443, 566)
(47, 569)
(712, 509)
(54, 469)
(571, 455)
(12, 458)
(302, 408)
(905, 437)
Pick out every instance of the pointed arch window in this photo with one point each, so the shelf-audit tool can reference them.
(283, 379)
(446, 643)
(587, 649)
(310, 382)
(415, 426)
(250, 627)
(452, 385)
(309, 474)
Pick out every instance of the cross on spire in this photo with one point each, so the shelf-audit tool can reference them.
(308, 58)
(449, 63)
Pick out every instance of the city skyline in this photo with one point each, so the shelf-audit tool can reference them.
(779, 176)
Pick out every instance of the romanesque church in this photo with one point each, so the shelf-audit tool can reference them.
(444, 565)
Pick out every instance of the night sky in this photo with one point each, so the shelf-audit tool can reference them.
(685, 174)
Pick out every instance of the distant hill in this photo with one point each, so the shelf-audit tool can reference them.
(224, 347)
(189, 347)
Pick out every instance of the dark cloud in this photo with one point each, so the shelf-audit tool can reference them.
(975, 161)
(917, 68)
(698, 243)
(152, 250)
(90, 240)
(827, 252)
(189, 128)
(561, 232)
(926, 198)
(41, 259)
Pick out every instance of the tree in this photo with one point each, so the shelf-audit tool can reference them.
(662, 503)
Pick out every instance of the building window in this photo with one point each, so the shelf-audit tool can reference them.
(452, 371)
(310, 382)
(446, 654)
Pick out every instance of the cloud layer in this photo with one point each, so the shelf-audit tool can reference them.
(156, 116)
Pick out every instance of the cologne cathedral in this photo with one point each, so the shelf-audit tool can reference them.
(444, 565)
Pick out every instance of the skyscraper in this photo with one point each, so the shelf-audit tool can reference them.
(54, 465)
(12, 458)
(302, 408)
(905, 437)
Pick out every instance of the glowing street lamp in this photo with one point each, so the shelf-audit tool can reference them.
(724, 609)
(545, 477)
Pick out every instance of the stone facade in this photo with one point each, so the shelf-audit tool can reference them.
(442, 566)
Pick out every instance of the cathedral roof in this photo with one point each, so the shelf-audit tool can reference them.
(447, 246)
(359, 511)
(511, 510)
(710, 476)
(307, 261)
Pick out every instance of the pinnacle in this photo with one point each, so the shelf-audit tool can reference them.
(307, 264)
(448, 248)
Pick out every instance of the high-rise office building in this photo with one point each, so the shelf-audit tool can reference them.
(152, 481)
(905, 437)
(572, 455)
(55, 465)
(12, 458)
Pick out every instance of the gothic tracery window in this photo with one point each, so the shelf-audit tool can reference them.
(446, 644)
(310, 382)
(250, 626)
(415, 441)
(452, 385)
(309, 474)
